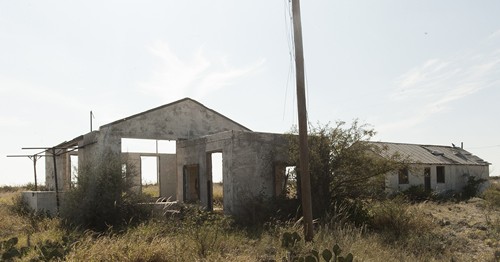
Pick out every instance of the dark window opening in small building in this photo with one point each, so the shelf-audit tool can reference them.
(440, 177)
(403, 177)
(74, 170)
(427, 179)
(149, 176)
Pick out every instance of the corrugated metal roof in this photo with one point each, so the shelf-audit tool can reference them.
(432, 154)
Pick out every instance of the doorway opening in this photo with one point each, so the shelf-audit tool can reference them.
(427, 179)
(215, 181)
(149, 176)
(191, 179)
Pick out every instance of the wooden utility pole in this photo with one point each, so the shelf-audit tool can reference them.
(55, 177)
(302, 112)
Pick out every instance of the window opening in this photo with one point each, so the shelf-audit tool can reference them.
(290, 183)
(134, 145)
(440, 178)
(403, 177)
(73, 159)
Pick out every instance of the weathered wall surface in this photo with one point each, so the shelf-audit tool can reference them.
(456, 177)
(63, 169)
(168, 176)
(248, 161)
(184, 119)
(42, 201)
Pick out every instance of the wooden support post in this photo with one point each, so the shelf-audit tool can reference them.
(302, 112)
(55, 177)
(35, 158)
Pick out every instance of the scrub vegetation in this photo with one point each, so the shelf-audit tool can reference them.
(103, 220)
(397, 231)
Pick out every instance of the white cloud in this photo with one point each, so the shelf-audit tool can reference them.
(430, 88)
(195, 76)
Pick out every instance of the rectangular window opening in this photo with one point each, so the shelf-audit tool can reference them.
(74, 170)
(135, 145)
(403, 177)
(440, 177)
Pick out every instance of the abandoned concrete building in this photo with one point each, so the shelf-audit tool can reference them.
(436, 168)
(252, 162)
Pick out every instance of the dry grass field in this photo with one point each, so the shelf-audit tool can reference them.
(426, 231)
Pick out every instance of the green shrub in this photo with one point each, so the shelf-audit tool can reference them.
(205, 229)
(102, 197)
(349, 211)
(417, 193)
(31, 187)
(471, 189)
(8, 189)
(291, 241)
(492, 195)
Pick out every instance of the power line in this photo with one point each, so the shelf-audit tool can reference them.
(481, 147)
(288, 17)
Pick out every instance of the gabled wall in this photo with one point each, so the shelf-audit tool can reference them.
(180, 120)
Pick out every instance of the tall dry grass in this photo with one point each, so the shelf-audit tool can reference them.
(218, 195)
(200, 236)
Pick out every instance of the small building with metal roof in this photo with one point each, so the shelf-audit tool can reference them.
(437, 168)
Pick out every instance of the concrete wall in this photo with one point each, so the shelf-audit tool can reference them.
(168, 176)
(41, 201)
(63, 164)
(456, 177)
(180, 120)
(248, 161)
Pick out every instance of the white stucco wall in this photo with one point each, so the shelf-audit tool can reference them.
(456, 177)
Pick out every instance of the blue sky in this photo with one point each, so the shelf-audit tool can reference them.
(417, 71)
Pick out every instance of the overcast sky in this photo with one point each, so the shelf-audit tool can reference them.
(418, 71)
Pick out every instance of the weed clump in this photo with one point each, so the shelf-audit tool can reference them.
(492, 195)
(397, 218)
(103, 197)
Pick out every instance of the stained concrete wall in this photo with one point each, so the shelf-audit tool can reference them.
(248, 160)
(181, 120)
(41, 201)
(456, 177)
(168, 176)
(184, 119)
(63, 169)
